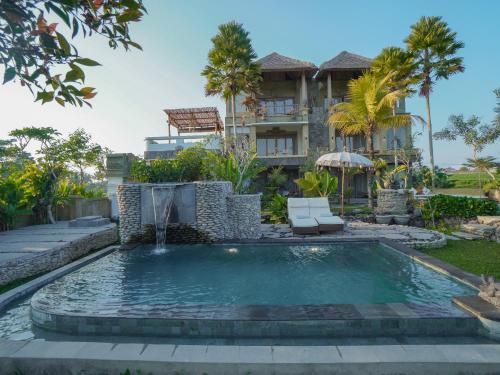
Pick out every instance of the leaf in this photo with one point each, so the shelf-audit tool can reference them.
(63, 43)
(61, 13)
(136, 45)
(60, 101)
(75, 27)
(128, 16)
(87, 90)
(74, 74)
(9, 74)
(90, 95)
(86, 62)
(45, 96)
(47, 41)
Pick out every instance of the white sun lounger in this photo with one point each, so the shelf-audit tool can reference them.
(299, 218)
(319, 209)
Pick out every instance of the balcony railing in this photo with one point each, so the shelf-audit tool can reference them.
(285, 113)
(176, 143)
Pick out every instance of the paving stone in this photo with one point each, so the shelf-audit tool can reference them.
(466, 236)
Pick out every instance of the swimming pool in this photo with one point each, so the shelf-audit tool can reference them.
(252, 274)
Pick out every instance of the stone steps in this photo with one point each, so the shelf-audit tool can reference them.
(89, 221)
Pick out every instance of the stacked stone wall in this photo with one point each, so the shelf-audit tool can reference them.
(129, 209)
(244, 216)
(220, 215)
(390, 201)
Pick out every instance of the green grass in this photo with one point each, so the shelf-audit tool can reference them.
(469, 179)
(477, 257)
(460, 191)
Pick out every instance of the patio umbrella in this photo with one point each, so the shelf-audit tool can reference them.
(342, 160)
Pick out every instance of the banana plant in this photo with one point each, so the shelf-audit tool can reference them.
(318, 184)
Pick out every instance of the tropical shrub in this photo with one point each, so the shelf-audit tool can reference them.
(240, 171)
(191, 163)
(154, 171)
(318, 184)
(443, 206)
(278, 209)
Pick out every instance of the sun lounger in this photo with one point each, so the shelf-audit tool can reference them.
(299, 218)
(319, 209)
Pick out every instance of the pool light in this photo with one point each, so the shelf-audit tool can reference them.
(232, 250)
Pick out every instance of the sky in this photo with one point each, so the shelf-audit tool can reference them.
(134, 87)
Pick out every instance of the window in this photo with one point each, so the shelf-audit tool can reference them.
(275, 146)
(400, 138)
(277, 107)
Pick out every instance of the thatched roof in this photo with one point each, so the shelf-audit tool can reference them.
(346, 61)
(275, 62)
(193, 120)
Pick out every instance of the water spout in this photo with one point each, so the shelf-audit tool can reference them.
(163, 197)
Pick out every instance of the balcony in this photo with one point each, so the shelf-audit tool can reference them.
(281, 114)
(167, 147)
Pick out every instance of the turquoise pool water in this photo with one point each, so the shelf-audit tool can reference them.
(267, 274)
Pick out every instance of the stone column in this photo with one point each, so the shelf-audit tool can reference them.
(129, 208)
(329, 88)
(303, 90)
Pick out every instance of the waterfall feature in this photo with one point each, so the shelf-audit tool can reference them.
(163, 197)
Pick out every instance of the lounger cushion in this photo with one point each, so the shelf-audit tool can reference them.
(322, 220)
(304, 223)
(298, 206)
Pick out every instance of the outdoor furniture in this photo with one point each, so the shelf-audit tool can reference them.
(299, 218)
(319, 209)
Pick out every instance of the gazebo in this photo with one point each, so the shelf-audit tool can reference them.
(194, 120)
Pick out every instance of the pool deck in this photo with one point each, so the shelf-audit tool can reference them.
(36, 249)
(38, 357)
(407, 235)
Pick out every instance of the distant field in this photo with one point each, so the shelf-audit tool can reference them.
(470, 179)
(460, 191)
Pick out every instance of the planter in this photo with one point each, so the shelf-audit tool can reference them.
(402, 219)
(383, 219)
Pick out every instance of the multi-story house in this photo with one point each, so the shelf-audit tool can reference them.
(289, 121)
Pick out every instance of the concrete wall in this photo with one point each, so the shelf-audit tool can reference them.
(79, 207)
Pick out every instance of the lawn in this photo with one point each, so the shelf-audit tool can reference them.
(471, 192)
(469, 179)
(478, 257)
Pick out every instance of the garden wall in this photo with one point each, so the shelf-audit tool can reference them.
(204, 211)
(79, 207)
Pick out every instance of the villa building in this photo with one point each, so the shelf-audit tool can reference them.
(289, 121)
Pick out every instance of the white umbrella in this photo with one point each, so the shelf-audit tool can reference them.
(341, 160)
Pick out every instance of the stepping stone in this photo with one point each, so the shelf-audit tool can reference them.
(452, 238)
(466, 236)
(88, 221)
(482, 230)
(489, 220)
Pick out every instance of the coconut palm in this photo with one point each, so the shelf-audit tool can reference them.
(231, 67)
(398, 64)
(483, 164)
(433, 46)
(369, 108)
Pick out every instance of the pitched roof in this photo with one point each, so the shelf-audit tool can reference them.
(277, 62)
(192, 120)
(346, 60)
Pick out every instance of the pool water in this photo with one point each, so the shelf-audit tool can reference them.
(251, 274)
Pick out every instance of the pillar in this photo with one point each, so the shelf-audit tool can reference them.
(329, 88)
(303, 90)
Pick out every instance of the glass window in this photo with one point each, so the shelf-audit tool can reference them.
(261, 147)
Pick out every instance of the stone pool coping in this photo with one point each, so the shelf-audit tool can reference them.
(91, 358)
(272, 320)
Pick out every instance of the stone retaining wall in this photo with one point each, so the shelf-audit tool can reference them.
(129, 209)
(244, 213)
(45, 261)
(390, 201)
(219, 215)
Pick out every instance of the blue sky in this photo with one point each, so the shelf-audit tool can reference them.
(134, 87)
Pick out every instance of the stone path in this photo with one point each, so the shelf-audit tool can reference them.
(39, 248)
(411, 236)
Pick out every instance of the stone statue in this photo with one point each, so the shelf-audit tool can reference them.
(489, 290)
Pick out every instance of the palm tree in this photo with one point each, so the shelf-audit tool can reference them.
(231, 67)
(397, 63)
(433, 46)
(369, 108)
(483, 164)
